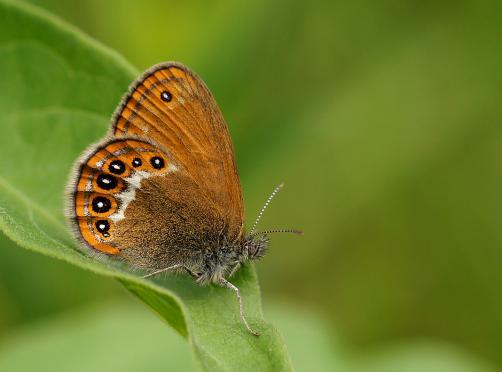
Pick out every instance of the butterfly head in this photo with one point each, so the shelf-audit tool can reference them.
(255, 246)
(256, 243)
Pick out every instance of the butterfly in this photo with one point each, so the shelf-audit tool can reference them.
(161, 190)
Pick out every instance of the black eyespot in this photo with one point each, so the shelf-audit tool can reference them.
(157, 162)
(100, 204)
(117, 167)
(166, 96)
(136, 162)
(103, 226)
(106, 181)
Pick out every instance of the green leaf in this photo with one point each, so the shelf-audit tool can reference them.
(107, 332)
(416, 356)
(109, 337)
(57, 92)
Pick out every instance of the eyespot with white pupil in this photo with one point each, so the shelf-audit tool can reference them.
(166, 96)
(157, 162)
(117, 167)
(100, 204)
(103, 226)
(136, 162)
(106, 181)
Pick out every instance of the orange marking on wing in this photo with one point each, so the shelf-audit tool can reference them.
(121, 121)
(84, 176)
(124, 119)
(87, 188)
(119, 187)
(145, 157)
(123, 158)
(93, 160)
(177, 72)
(152, 79)
(106, 248)
(81, 201)
(90, 238)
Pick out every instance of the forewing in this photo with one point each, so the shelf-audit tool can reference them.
(172, 106)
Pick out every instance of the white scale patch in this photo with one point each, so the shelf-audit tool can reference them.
(134, 181)
(124, 198)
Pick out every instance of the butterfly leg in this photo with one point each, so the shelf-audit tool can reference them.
(225, 283)
(170, 268)
(234, 270)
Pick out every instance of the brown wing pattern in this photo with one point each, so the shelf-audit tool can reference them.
(106, 183)
(172, 106)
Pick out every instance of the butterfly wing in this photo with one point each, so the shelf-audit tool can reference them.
(106, 182)
(172, 106)
(132, 200)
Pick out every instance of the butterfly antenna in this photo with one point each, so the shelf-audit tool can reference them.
(276, 190)
(293, 231)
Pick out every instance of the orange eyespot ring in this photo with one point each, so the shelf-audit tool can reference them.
(136, 162)
(102, 205)
(103, 227)
(97, 232)
(107, 183)
(166, 96)
(157, 162)
(116, 167)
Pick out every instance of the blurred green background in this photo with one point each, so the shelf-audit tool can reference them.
(384, 120)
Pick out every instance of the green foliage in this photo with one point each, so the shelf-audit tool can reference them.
(58, 90)
(381, 117)
(116, 336)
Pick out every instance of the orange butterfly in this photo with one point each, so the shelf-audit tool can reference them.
(161, 190)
